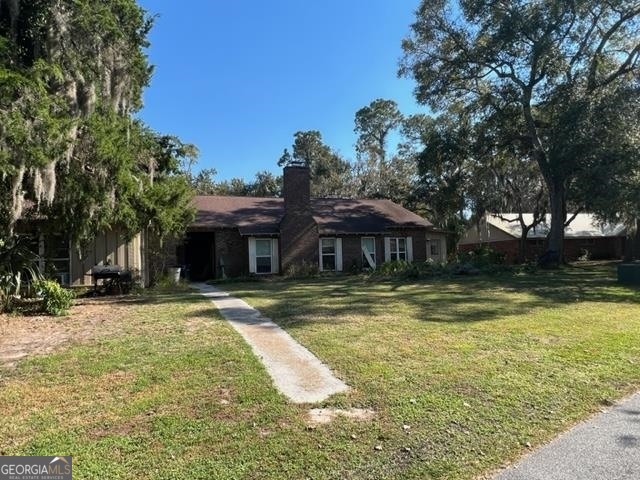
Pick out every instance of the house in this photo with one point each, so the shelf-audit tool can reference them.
(584, 236)
(236, 236)
(72, 266)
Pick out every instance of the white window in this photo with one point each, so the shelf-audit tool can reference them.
(369, 252)
(263, 255)
(398, 248)
(330, 254)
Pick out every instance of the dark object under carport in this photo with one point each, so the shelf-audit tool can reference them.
(629, 273)
(115, 279)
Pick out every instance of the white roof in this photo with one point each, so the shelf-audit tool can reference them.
(585, 225)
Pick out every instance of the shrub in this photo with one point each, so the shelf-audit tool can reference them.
(392, 268)
(17, 267)
(481, 257)
(56, 300)
(301, 270)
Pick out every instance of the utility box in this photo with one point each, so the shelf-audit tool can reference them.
(629, 273)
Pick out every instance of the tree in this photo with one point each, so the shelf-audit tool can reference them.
(445, 170)
(535, 65)
(609, 184)
(506, 179)
(266, 184)
(71, 76)
(236, 187)
(378, 173)
(204, 182)
(374, 123)
(330, 173)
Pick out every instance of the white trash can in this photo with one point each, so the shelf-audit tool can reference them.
(174, 274)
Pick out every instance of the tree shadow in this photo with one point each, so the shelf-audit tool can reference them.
(450, 299)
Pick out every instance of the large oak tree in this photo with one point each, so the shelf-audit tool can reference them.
(541, 68)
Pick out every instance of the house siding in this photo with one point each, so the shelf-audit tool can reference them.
(484, 232)
(110, 247)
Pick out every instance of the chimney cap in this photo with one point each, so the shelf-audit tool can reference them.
(297, 163)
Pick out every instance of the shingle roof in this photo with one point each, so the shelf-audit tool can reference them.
(249, 214)
(585, 225)
(253, 215)
(335, 215)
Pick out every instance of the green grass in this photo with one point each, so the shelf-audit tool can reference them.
(478, 368)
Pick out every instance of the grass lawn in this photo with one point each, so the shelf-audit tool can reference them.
(464, 375)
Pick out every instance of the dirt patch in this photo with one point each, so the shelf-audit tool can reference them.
(318, 416)
(22, 336)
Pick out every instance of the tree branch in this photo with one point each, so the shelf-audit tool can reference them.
(591, 83)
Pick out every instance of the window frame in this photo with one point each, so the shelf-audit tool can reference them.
(391, 246)
(253, 255)
(372, 254)
(437, 243)
(395, 242)
(337, 254)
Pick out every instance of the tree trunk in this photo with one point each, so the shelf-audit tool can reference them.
(522, 244)
(636, 241)
(555, 239)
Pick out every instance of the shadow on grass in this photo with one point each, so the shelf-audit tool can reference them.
(452, 299)
(152, 296)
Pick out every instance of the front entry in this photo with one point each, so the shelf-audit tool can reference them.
(200, 256)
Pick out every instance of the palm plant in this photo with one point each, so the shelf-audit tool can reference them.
(17, 263)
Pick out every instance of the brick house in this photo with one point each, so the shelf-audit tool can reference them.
(584, 235)
(236, 236)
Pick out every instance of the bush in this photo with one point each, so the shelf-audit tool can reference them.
(301, 270)
(481, 257)
(17, 268)
(56, 300)
(393, 268)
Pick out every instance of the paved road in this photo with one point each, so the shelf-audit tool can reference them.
(607, 447)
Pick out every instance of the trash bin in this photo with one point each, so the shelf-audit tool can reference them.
(174, 275)
(629, 273)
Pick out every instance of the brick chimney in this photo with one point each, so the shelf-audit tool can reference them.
(297, 190)
(298, 229)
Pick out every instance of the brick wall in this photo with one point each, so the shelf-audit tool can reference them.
(599, 248)
(296, 190)
(352, 248)
(419, 243)
(298, 240)
(610, 248)
(232, 249)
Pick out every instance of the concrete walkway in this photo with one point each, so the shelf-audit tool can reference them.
(295, 371)
(606, 447)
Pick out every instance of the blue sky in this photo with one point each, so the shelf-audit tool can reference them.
(239, 77)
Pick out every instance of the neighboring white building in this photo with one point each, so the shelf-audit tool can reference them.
(584, 234)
